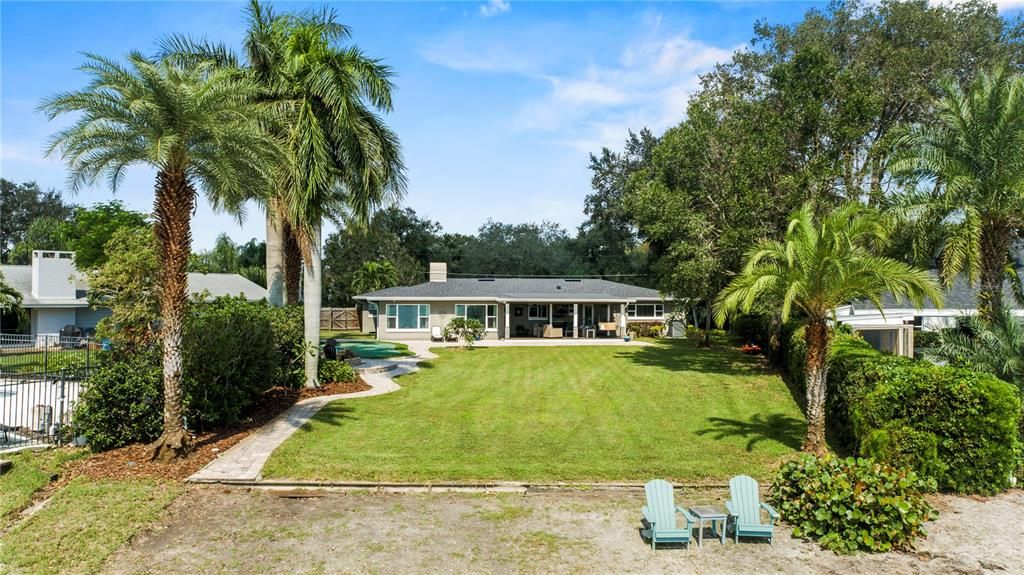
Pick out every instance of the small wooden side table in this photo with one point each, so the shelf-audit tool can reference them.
(712, 514)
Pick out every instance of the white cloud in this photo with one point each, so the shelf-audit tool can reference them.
(494, 8)
(26, 152)
(648, 87)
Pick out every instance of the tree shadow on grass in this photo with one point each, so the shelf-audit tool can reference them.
(333, 414)
(686, 355)
(784, 429)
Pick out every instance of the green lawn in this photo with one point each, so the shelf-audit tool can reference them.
(31, 471)
(557, 414)
(83, 524)
(39, 360)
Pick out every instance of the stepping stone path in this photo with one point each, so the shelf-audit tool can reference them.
(244, 462)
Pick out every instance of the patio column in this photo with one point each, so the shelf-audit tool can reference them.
(507, 327)
(575, 321)
(622, 320)
(551, 314)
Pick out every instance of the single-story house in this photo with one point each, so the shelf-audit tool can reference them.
(892, 328)
(511, 307)
(54, 292)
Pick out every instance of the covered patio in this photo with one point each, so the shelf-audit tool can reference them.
(558, 319)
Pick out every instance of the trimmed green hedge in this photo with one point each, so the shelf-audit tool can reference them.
(954, 425)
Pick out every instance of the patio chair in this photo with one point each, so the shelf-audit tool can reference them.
(745, 508)
(436, 333)
(660, 516)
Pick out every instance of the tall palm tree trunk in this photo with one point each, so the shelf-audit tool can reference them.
(311, 307)
(175, 200)
(292, 265)
(817, 338)
(995, 245)
(275, 255)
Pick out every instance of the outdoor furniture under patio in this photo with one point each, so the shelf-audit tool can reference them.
(607, 327)
(436, 333)
(745, 507)
(552, 331)
(660, 515)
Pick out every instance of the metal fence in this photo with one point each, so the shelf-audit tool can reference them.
(40, 379)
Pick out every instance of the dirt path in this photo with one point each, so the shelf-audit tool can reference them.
(213, 530)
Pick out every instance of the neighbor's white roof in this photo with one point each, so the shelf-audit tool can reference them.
(20, 278)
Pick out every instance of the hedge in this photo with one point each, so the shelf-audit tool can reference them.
(954, 425)
(232, 350)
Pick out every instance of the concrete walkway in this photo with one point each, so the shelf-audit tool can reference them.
(245, 460)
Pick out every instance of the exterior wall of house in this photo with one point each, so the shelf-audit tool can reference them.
(441, 312)
(49, 321)
(368, 323)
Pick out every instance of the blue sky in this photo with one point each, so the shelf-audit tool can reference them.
(498, 103)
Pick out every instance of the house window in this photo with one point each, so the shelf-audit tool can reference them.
(537, 311)
(645, 311)
(408, 317)
(485, 314)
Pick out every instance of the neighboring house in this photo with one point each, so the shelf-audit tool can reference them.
(55, 292)
(892, 329)
(511, 307)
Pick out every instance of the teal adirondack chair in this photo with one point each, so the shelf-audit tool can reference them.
(745, 509)
(660, 514)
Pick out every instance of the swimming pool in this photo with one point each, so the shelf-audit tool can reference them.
(370, 349)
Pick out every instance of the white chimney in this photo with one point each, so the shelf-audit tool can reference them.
(53, 275)
(438, 272)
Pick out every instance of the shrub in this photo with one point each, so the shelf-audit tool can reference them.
(853, 504)
(647, 328)
(228, 352)
(753, 328)
(466, 330)
(122, 402)
(233, 351)
(902, 446)
(953, 425)
(973, 417)
(927, 339)
(334, 371)
(71, 363)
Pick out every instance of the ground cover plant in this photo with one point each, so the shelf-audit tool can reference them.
(850, 505)
(670, 410)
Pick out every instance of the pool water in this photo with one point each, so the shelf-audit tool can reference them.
(370, 349)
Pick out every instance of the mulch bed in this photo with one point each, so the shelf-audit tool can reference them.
(132, 461)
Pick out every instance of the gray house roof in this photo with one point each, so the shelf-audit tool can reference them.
(960, 295)
(20, 278)
(501, 289)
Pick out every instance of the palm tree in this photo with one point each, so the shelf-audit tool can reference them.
(341, 157)
(373, 276)
(817, 267)
(195, 125)
(994, 346)
(971, 157)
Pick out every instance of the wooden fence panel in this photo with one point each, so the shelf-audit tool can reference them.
(340, 318)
